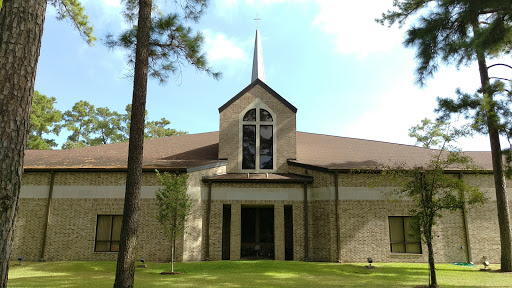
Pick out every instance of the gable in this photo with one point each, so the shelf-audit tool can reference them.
(266, 88)
(259, 97)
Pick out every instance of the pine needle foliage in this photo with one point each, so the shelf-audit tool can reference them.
(74, 10)
(172, 43)
(460, 32)
(443, 31)
(44, 120)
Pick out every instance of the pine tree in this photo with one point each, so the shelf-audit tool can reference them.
(459, 32)
(80, 120)
(21, 30)
(44, 119)
(167, 43)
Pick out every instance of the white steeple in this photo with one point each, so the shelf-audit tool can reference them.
(257, 63)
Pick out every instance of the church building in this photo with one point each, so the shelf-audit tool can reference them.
(260, 190)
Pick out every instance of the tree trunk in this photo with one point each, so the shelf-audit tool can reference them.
(431, 263)
(172, 256)
(497, 166)
(126, 257)
(21, 30)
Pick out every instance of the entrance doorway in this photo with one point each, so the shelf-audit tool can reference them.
(257, 233)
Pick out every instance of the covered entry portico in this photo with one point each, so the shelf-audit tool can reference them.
(256, 216)
(257, 232)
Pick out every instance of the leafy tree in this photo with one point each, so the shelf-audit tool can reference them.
(157, 129)
(174, 204)
(21, 30)
(153, 129)
(430, 188)
(158, 45)
(108, 127)
(44, 119)
(127, 118)
(92, 126)
(80, 120)
(459, 32)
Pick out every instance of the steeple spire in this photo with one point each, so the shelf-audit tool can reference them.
(257, 63)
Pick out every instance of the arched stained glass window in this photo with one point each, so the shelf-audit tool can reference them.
(258, 140)
(250, 115)
(265, 116)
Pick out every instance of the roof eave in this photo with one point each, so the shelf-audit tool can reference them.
(101, 169)
(373, 170)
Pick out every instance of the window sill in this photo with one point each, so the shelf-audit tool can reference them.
(405, 254)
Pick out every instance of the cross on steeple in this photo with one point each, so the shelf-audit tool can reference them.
(257, 19)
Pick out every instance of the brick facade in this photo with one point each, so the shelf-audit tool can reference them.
(362, 220)
(229, 129)
(337, 217)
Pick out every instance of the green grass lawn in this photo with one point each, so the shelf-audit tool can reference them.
(253, 274)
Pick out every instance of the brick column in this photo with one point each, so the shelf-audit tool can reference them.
(279, 231)
(216, 232)
(236, 238)
(298, 231)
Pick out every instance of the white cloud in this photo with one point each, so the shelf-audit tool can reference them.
(353, 26)
(403, 105)
(219, 47)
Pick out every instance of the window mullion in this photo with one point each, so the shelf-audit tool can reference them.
(257, 147)
(257, 166)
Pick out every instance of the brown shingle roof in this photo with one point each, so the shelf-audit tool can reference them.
(194, 150)
(333, 152)
(178, 152)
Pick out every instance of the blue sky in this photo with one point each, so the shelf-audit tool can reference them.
(347, 75)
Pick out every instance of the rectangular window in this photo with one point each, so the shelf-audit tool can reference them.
(226, 231)
(288, 232)
(404, 238)
(108, 232)
(249, 147)
(266, 147)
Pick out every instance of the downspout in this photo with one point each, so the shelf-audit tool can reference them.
(306, 232)
(466, 228)
(337, 215)
(208, 215)
(48, 214)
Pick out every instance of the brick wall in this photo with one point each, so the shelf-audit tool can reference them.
(29, 229)
(285, 129)
(363, 219)
(76, 203)
(483, 220)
